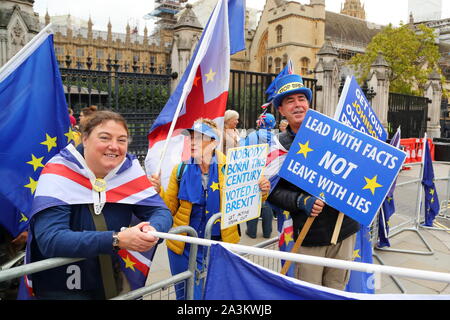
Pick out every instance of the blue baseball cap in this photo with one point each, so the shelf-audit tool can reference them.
(289, 85)
(267, 121)
(204, 129)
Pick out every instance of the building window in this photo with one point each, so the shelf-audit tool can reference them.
(269, 65)
(277, 65)
(59, 51)
(279, 30)
(80, 52)
(99, 54)
(304, 63)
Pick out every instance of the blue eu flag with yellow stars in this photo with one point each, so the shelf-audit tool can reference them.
(431, 196)
(34, 126)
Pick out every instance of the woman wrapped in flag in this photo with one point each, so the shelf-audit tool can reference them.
(84, 203)
(194, 194)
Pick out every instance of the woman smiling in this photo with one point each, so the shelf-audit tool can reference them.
(83, 207)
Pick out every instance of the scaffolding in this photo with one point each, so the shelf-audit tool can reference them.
(165, 12)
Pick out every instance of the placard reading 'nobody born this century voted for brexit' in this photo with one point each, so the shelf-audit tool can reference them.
(241, 197)
(347, 169)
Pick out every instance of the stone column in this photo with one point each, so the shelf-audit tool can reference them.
(327, 75)
(433, 91)
(3, 49)
(379, 80)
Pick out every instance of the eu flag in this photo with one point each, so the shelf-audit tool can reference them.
(431, 197)
(362, 282)
(34, 125)
(231, 277)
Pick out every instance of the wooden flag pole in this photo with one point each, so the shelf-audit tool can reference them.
(298, 243)
(337, 228)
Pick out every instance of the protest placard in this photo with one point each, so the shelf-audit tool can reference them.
(347, 169)
(241, 197)
(355, 111)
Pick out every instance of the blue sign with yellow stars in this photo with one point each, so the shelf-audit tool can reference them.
(347, 169)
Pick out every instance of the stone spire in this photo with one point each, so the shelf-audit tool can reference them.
(109, 38)
(47, 17)
(90, 24)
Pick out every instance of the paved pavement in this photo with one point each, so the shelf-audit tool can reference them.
(406, 199)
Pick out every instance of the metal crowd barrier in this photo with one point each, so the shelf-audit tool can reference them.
(8, 273)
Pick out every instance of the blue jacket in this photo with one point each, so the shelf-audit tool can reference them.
(260, 136)
(69, 231)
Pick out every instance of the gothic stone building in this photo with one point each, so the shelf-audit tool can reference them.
(18, 25)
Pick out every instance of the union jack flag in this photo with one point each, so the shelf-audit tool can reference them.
(277, 155)
(126, 184)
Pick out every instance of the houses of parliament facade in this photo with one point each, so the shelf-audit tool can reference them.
(283, 30)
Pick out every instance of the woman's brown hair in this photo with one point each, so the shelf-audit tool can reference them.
(98, 118)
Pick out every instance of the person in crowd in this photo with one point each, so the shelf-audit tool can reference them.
(73, 121)
(293, 100)
(83, 207)
(231, 137)
(266, 122)
(193, 195)
(86, 112)
(283, 125)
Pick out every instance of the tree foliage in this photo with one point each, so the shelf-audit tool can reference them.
(411, 53)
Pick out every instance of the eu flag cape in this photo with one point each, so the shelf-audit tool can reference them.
(34, 123)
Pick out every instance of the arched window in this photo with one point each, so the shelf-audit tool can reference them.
(304, 63)
(279, 30)
(277, 65)
(270, 65)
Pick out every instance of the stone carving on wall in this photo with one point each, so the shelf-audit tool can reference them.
(17, 38)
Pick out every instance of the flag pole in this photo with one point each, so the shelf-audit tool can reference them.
(197, 59)
(298, 243)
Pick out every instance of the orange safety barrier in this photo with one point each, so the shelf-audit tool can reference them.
(414, 149)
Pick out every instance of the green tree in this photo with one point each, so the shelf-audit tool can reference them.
(411, 53)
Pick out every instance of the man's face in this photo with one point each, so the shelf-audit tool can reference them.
(294, 108)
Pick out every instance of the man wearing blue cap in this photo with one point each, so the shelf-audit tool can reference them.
(292, 100)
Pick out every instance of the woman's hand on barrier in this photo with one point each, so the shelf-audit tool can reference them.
(155, 180)
(137, 239)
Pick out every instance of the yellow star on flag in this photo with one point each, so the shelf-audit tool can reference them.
(49, 142)
(129, 263)
(210, 75)
(36, 162)
(372, 184)
(70, 135)
(304, 149)
(32, 185)
(288, 237)
(24, 218)
(355, 255)
(286, 214)
(215, 186)
(432, 192)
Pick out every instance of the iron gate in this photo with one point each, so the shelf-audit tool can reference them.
(409, 112)
(247, 95)
(138, 95)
